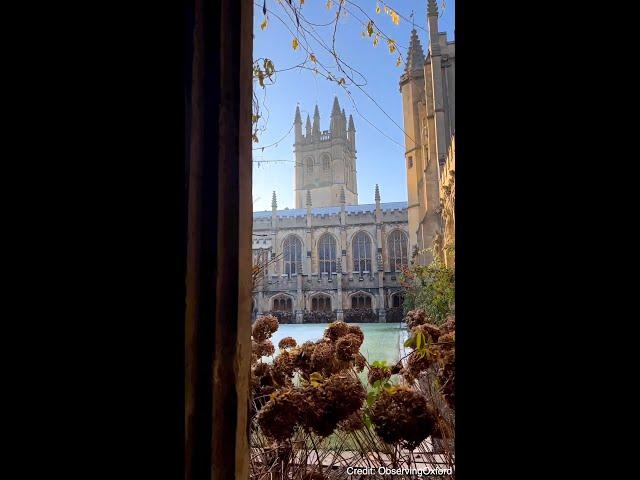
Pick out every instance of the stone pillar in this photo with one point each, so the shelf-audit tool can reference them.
(299, 296)
(339, 306)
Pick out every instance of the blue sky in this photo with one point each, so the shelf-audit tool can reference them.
(379, 159)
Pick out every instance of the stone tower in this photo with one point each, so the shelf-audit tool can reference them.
(325, 160)
(428, 103)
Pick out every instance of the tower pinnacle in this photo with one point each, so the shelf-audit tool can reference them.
(415, 55)
(377, 194)
(432, 8)
(308, 198)
(274, 201)
(336, 107)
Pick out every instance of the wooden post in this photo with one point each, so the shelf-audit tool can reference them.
(219, 243)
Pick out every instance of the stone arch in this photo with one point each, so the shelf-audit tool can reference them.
(361, 293)
(289, 302)
(396, 298)
(317, 301)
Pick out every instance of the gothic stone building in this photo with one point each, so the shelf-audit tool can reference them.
(428, 103)
(330, 258)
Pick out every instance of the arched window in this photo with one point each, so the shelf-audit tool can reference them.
(326, 163)
(282, 304)
(309, 164)
(292, 254)
(398, 300)
(361, 253)
(327, 254)
(361, 300)
(398, 251)
(321, 303)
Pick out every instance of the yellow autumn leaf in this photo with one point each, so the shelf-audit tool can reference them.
(294, 43)
(329, 4)
(395, 18)
(398, 62)
(370, 28)
(376, 39)
(377, 8)
(313, 58)
(264, 24)
(392, 45)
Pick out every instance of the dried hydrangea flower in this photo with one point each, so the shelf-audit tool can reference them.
(336, 330)
(264, 348)
(332, 401)
(429, 331)
(278, 418)
(287, 342)
(352, 423)
(360, 362)
(357, 331)
(264, 327)
(378, 373)
(347, 347)
(402, 416)
(415, 317)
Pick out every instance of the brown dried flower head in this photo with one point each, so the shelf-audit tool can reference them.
(352, 423)
(378, 373)
(279, 416)
(415, 317)
(264, 327)
(357, 331)
(336, 330)
(331, 402)
(429, 331)
(402, 415)
(287, 342)
(322, 357)
(348, 347)
(360, 362)
(264, 349)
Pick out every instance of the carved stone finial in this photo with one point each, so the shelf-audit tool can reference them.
(308, 198)
(274, 201)
(342, 196)
(377, 195)
(432, 8)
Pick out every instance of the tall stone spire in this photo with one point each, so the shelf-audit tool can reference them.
(336, 107)
(308, 127)
(415, 55)
(316, 122)
(351, 135)
(298, 125)
(274, 201)
(432, 8)
(432, 19)
(377, 194)
(308, 198)
(336, 118)
(343, 199)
